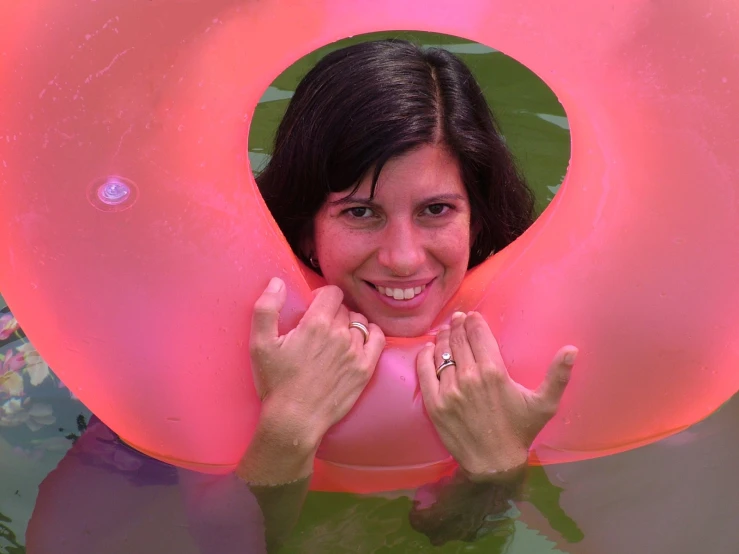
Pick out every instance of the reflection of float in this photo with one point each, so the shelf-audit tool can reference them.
(143, 307)
(158, 507)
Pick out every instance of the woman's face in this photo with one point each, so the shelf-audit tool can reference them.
(400, 256)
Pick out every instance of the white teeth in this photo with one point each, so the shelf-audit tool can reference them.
(401, 294)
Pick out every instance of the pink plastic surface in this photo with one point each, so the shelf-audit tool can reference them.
(144, 308)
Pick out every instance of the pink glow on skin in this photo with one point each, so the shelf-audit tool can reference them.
(414, 232)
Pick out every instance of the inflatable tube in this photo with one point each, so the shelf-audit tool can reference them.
(133, 240)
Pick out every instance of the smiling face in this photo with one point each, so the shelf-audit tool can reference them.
(401, 255)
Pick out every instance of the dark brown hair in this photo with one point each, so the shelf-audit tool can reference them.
(365, 104)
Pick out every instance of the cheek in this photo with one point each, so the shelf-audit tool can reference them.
(339, 252)
(452, 248)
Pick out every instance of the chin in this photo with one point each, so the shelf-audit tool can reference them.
(410, 327)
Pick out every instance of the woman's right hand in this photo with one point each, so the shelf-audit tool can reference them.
(308, 380)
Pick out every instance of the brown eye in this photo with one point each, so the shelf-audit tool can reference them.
(437, 209)
(359, 212)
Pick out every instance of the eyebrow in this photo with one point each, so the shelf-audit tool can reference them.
(437, 199)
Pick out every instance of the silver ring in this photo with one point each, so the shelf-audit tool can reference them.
(446, 361)
(362, 327)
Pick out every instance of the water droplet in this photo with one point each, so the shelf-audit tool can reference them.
(566, 420)
(112, 194)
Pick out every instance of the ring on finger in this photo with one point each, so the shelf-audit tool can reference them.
(362, 327)
(446, 361)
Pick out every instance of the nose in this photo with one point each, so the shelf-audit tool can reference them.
(402, 250)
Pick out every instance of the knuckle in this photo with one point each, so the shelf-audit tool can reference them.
(457, 339)
(356, 316)
(361, 372)
(562, 378)
(375, 330)
(450, 401)
(492, 373)
(263, 306)
(367, 370)
(319, 323)
(257, 348)
(343, 334)
(469, 377)
(438, 408)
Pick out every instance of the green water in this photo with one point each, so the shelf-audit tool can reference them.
(605, 506)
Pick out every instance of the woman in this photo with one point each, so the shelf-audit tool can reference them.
(390, 179)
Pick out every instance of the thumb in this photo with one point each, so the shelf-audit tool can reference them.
(558, 375)
(264, 324)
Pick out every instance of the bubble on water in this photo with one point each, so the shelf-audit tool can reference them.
(112, 194)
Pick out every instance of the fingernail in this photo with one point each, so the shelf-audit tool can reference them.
(569, 358)
(456, 315)
(431, 344)
(275, 285)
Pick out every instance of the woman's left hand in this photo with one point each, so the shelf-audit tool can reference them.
(485, 419)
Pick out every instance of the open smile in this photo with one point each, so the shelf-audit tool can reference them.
(401, 294)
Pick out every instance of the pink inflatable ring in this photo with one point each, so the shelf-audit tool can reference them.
(134, 242)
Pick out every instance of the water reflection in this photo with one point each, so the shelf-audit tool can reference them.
(105, 497)
(676, 496)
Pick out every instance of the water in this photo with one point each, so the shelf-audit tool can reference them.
(675, 496)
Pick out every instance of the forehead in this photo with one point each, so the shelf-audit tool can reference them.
(424, 172)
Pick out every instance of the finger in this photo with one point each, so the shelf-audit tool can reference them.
(558, 376)
(426, 370)
(342, 316)
(375, 344)
(482, 341)
(483, 344)
(358, 337)
(325, 306)
(266, 316)
(446, 377)
(461, 350)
